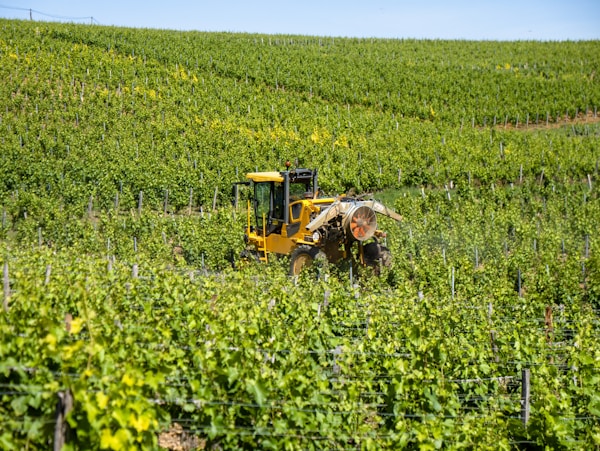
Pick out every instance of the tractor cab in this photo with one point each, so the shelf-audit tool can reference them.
(283, 203)
(277, 197)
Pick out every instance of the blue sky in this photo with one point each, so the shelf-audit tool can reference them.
(431, 19)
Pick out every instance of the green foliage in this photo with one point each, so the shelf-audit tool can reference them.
(106, 113)
(250, 358)
(116, 144)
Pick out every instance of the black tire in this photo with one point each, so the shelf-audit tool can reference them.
(304, 257)
(377, 256)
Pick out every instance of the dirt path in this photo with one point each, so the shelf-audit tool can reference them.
(553, 123)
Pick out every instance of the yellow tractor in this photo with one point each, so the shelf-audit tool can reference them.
(291, 218)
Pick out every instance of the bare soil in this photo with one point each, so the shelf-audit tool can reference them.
(552, 123)
(177, 439)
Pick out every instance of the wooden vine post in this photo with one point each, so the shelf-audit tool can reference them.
(6, 284)
(61, 429)
(525, 396)
(548, 324)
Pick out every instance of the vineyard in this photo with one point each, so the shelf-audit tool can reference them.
(129, 321)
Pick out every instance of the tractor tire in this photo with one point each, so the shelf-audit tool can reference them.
(304, 256)
(377, 256)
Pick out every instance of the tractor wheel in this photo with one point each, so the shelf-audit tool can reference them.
(377, 256)
(304, 256)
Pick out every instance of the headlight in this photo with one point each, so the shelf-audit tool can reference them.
(316, 236)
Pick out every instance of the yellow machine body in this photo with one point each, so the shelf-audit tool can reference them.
(291, 235)
(281, 233)
(290, 218)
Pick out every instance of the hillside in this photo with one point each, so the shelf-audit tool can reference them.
(121, 277)
(102, 109)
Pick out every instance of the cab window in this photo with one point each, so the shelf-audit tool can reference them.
(298, 191)
(296, 211)
(278, 201)
(269, 197)
(262, 194)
